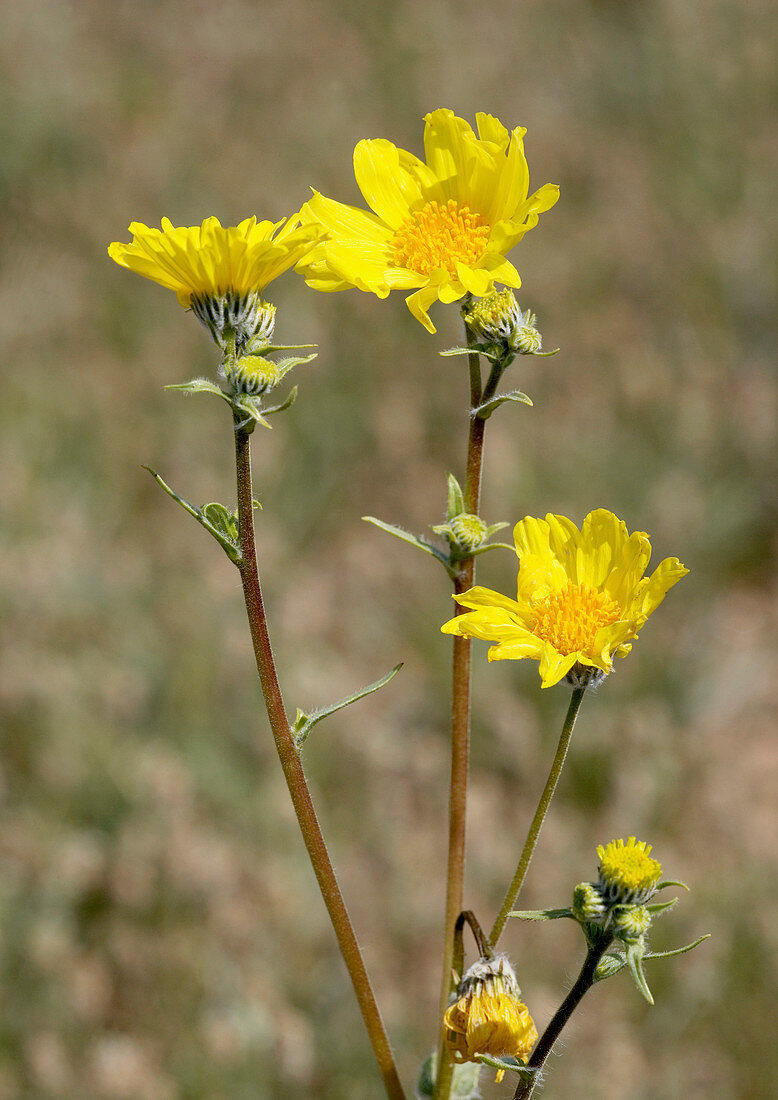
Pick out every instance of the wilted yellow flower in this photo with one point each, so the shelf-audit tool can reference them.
(628, 874)
(581, 596)
(441, 228)
(219, 271)
(488, 1016)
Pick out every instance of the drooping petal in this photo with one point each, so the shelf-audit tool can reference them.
(420, 302)
(554, 666)
(652, 591)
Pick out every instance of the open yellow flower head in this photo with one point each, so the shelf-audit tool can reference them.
(628, 874)
(488, 1016)
(440, 228)
(581, 597)
(218, 271)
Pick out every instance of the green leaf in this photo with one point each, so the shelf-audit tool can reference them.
(456, 500)
(249, 407)
(406, 536)
(198, 385)
(542, 914)
(222, 520)
(507, 1064)
(672, 882)
(608, 966)
(493, 546)
(483, 412)
(285, 404)
(476, 350)
(678, 950)
(634, 958)
(286, 364)
(304, 723)
(214, 523)
(269, 349)
(661, 906)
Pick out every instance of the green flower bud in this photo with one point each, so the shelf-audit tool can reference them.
(588, 904)
(468, 531)
(253, 374)
(631, 922)
(494, 317)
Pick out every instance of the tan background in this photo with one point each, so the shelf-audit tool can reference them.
(160, 931)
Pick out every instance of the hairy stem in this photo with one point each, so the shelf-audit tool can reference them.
(295, 777)
(540, 813)
(460, 728)
(582, 985)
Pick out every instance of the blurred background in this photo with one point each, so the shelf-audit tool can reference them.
(161, 935)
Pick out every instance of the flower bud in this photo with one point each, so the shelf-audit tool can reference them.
(497, 319)
(254, 374)
(588, 904)
(631, 922)
(468, 531)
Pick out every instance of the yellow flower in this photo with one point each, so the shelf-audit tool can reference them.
(441, 228)
(581, 597)
(219, 271)
(488, 1017)
(628, 874)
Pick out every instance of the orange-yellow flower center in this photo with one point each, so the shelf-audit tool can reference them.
(438, 236)
(571, 618)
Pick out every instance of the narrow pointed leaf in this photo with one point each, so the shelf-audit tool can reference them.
(635, 964)
(286, 364)
(506, 1064)
(269, 349)
(197, 385)
(541, 914)
(461, 351)
(661, 906)
(678, 950)
(406, 536)
(249, 406)
(290, 400)
(456, 500)
(483, 412)
(301, 729)
(491, 546)
(230, 548)
(672, 882)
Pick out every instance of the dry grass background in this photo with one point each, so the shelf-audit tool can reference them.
(161, 935)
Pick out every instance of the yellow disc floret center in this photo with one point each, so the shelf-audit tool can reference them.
(571, 618)
(439, 235)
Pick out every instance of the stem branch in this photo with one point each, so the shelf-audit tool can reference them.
(540, 813)
(295, 777)
(582, 985)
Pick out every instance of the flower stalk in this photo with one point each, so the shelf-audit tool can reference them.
(460, 715)
(540, 813)
(295, 777)
(581, 986)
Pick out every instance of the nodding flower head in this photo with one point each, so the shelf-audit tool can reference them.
(488, 1016)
